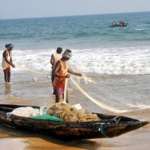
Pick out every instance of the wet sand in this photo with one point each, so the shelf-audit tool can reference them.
(35, 89)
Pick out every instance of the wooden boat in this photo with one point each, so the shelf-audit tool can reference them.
(119, 25)
(109, 126)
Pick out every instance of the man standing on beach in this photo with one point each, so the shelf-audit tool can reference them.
(61, 72)
(54, 58)
(7, 62)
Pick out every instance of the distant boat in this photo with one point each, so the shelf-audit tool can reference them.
(120, 24)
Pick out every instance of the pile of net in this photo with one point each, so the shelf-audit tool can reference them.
(57, 112)
(71, 113)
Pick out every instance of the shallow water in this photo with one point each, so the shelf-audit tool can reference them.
(115, 91)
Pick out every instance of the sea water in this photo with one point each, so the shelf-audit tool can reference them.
(97, 49)
(96, 46)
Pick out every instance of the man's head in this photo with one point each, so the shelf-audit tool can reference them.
(9, 46)
(67, 54)
(59, 50)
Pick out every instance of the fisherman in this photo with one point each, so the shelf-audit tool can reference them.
(122, 23)
(62, 71)
(54, 58)
(7, 62)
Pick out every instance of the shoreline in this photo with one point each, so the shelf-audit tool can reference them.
(25, 90)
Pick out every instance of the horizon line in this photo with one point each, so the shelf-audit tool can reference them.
(40, 17)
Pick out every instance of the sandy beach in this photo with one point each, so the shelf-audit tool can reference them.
(34, 89)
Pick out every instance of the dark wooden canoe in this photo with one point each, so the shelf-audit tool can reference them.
(110, 126)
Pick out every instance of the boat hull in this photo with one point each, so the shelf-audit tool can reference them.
(109, 126)
(118, 25)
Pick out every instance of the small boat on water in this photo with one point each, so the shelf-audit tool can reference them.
(119, 24)
(108, 126)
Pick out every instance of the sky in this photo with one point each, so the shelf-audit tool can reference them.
(49, 8)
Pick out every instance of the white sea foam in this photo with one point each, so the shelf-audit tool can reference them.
(128, 60)
(139, 29)
(114, 61)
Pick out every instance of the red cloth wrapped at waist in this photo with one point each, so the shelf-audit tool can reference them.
(59, 82)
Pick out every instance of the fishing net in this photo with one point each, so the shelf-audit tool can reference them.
(70, 113)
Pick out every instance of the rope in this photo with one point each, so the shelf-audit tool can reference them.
(98, 103)
(65, 91)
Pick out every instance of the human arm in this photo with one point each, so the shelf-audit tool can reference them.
(12, 61)
(52, 60)
(74, 73)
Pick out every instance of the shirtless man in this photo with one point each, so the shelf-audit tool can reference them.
(7, 62)
(61, 72)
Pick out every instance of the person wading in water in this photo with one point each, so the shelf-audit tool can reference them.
(61, 73)
(7, 62)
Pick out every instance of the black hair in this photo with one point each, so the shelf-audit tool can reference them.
(59, 50)
(68, 50)
(9, 46)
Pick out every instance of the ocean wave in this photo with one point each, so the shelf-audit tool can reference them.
(127, 60)
(139, 29)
